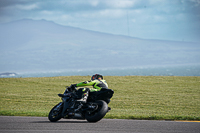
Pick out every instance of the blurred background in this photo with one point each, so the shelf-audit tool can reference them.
(111, 37)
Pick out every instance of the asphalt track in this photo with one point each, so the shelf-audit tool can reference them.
(14, 124)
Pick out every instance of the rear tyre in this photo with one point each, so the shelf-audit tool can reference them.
(99, 113)
(55, 113)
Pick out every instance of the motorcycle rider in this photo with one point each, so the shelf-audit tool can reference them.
(96, 81)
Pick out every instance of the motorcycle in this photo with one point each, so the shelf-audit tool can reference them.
(93, 110)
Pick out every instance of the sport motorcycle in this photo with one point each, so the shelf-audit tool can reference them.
(93, 110)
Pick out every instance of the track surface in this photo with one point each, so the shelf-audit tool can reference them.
(13, 124)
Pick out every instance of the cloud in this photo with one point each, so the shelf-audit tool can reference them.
(26, 7)
(197, 2)
(120, 3)
(111, 16)
(112, 13)
(94, 2)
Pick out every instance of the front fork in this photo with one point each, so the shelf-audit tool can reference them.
(58, 106)
(67, 103)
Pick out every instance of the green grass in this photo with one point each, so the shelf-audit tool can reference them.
(135, 97)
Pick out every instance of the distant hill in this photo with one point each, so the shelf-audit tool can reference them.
(30, 45)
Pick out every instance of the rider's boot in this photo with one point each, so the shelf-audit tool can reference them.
(84, 98)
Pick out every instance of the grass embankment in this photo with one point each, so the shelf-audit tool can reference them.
(135, 97)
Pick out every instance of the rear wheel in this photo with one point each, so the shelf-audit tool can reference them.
(55, 113)
(98, 113)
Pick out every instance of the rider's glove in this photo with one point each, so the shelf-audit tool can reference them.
(73, 87)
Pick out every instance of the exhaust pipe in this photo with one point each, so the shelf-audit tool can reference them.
(78, 116)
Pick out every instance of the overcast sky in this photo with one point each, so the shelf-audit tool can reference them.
(177, 20)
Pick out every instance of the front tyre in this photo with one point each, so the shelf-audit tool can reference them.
(99, 113)
(55, 113)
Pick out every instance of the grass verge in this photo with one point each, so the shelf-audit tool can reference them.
(135, 97)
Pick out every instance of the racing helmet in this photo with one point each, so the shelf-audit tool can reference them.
(96, 76)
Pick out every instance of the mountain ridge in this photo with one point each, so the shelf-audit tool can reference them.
(32, 45)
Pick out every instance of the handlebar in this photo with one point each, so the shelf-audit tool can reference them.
(70, 89)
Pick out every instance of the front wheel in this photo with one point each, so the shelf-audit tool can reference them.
(98, 113)
(55, 113)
